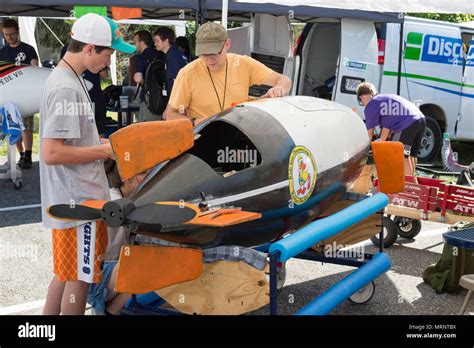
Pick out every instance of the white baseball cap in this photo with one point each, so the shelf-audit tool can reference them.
(101, 31)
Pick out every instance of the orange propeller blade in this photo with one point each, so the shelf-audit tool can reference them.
(142, 146)
(144, 268)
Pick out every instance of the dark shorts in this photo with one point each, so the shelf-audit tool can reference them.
(29, 123)
(411, 137)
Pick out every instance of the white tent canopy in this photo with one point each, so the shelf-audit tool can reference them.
(27, 32)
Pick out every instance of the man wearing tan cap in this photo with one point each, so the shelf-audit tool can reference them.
(218, 79)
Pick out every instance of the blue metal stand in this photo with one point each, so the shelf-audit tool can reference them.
(297, 245)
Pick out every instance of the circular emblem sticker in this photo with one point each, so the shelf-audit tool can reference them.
(302, 174)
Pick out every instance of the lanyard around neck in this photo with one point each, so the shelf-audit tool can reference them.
(215, 89)
(81, 83)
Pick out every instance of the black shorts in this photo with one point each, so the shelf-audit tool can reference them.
(411, 137)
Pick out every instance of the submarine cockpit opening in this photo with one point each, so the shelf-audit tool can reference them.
(225, 148)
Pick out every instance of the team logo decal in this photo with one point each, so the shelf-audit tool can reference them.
(117, 34)
(21, 56)
(302, 174)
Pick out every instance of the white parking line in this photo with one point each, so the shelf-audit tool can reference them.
(21, 207)
(23, 307)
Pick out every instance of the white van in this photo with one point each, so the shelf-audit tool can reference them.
(333, 56)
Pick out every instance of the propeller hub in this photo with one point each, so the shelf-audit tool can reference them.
(115, 212)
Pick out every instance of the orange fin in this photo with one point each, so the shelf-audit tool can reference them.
(224, 217)
(389, 161)
(142, 146)
(144, 268)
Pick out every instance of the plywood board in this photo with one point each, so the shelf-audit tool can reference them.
(363, 183)
(224, 288)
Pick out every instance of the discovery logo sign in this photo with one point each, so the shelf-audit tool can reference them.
(434, 48)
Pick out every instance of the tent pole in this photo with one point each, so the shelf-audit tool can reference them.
(225, 6)
(2, 42)
(200, 13)
(51, 31)
(400, 51)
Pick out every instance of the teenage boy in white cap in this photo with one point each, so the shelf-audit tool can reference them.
(71, 162)
(218, 79)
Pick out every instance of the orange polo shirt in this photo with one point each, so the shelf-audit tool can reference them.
(193, 88)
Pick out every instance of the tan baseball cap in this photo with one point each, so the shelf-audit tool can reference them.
(210, 38)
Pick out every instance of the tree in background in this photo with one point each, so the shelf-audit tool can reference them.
(48, 45)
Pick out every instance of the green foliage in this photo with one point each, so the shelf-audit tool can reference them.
(191, 34)
(297, 28)
(45, 39)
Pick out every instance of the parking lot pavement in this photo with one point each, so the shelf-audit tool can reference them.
(26, 266)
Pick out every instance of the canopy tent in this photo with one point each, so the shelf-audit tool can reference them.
(181, 9)
(386, 6)
(382, 11)
(239, 10)
(153, 9)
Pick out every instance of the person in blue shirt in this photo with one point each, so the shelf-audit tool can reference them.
(146, 54)
(175, 59)
(183, 44)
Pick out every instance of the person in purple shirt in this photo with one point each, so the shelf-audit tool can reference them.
(399, 119)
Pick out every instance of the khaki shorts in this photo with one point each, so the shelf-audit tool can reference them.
(78, 252)
(29, 123)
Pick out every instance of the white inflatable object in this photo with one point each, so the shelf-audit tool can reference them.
(23, 86)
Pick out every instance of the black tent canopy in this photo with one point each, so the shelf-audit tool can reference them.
(151, 9)
(241, 10)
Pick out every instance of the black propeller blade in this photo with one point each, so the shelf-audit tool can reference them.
(115, 213)
(164, 213)
(74, 212)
